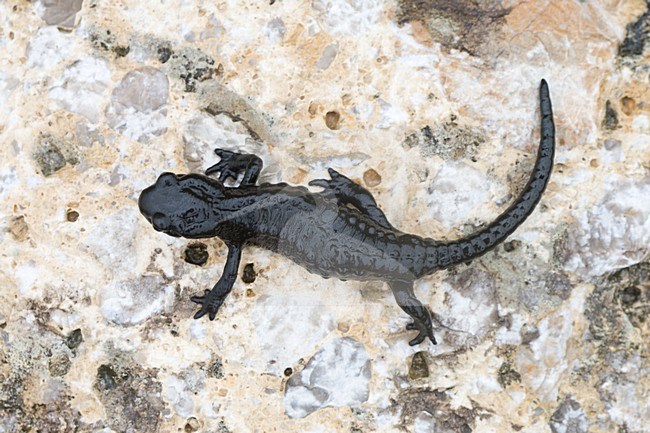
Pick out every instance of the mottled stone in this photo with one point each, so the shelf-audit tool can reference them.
(337, 375)
(112, 242)
(569, 418)
(131, 396)
(464, 25)
(275, 29)
(7, 84)
(348, 17)
(49, 158)
(543, 363)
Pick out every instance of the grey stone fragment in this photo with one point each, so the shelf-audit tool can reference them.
(328, 56)
(138, 107)
(337, 375)
(60, 13)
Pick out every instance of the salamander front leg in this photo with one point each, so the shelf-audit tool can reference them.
(403, 291)
(212, 299)
(231, 164)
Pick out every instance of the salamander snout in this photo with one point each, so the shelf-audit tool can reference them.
(155, 200)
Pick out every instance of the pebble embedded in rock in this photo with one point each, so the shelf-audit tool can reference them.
(333, 120)
(59, 365)
(18, 228)
(371, 178)
(569, 417)
(196, 254)
(419, 368)
(72, 215)
(627, 105)
(248, 275)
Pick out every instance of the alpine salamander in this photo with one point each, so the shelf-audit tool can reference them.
(338, 232)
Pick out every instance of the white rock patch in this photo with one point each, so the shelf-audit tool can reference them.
(615, 234)
(337, 375)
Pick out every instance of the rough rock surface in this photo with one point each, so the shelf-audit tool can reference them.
(432, 105)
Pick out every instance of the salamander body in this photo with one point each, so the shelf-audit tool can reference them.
(338, 232)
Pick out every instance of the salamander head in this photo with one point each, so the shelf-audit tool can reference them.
(182, 205)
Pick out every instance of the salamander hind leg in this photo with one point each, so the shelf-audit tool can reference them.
(403, 292)
(345, 191)
(231, 164)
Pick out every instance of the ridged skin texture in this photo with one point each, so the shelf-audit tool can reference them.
(339, 232)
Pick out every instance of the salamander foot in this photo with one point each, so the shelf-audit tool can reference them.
(231, 164)
(209, 305)
(422, 335)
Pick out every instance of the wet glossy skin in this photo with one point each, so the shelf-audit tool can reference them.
(339, 232)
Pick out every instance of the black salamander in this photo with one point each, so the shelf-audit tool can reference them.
(339, 232)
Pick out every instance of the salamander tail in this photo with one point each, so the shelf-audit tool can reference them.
(443, 255)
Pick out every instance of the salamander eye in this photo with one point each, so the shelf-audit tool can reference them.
(167, 179)
(160, 222)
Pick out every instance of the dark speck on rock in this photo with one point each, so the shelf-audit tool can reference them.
(216, 369)
(511, 245)
(196, 254)
(106, 378)
(508, 375)
(74, 339)
(164, 53)
(419, 368)
(611, 117)
(249, 275)
(288, 371)
(72, 215)
(637, 37)
(121, 50)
